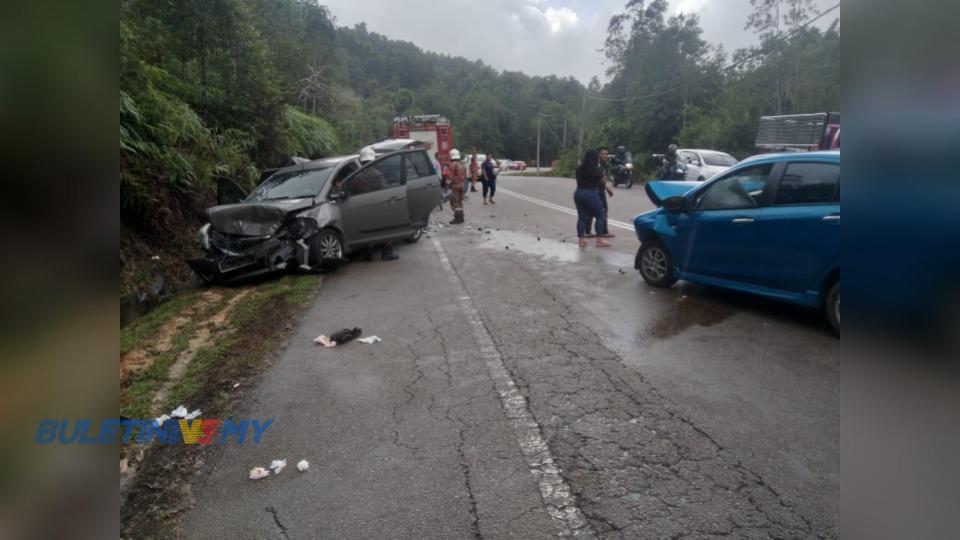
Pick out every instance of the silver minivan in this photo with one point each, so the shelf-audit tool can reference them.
(313, 214)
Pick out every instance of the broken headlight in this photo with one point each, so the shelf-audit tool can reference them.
(301, 228)
(203, 237)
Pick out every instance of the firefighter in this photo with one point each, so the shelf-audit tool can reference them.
(456, 175)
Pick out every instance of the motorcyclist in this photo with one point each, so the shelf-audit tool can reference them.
(670, 169)
(620, 158)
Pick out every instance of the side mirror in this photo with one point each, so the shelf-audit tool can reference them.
(675, 204)
(338, 195)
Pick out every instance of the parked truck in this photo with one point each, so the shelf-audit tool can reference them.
(799, 132)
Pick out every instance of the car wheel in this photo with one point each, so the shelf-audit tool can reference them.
(325, 245)
(656, 264)
(417, 234)
(832, 307)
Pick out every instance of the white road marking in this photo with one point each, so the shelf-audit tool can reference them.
(565, 210)
(554, 490)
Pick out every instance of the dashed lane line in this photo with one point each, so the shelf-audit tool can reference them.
(553, 488)
(565, 210)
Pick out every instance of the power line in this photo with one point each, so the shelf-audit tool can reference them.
(757, 54)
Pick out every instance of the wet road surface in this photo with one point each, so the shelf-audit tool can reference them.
(527, 388)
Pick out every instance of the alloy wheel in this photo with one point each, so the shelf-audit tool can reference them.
(330, 247)
(653, 264)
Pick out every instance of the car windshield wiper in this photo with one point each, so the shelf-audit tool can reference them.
(288, 197)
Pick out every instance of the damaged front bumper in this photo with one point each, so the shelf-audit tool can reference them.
(231, 257)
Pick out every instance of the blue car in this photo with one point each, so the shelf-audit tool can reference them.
(770, 226)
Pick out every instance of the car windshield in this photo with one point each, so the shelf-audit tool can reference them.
(718, 159)
(291, 185)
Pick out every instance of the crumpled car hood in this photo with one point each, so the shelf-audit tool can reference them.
(658, 190)
(254, 219)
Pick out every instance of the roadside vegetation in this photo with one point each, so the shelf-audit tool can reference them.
(201, 350)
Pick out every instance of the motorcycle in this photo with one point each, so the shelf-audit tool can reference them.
(623, 173)
(676, 170)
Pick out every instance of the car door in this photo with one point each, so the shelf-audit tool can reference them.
(799, 234)
(717, 237)
(423, 187)
(375, 206)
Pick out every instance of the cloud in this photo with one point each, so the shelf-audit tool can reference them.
(537, 37)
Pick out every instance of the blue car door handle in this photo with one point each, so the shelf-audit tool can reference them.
(743, 220)
(832, 217)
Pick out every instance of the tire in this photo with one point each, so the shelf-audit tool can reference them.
(326, 245)
(417, 234)
(630, 183)
(656, 264)
(832, 307)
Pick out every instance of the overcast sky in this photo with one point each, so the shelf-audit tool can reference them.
(538, 37)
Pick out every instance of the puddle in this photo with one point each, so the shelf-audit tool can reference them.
(688, 311)
(550, 249)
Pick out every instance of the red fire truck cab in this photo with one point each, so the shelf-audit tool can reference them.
(429, 128)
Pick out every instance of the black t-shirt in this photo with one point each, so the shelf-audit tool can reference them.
(589, 177)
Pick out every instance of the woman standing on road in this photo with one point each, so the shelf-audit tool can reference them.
(587, 197)
(474, 171)
(489, 179)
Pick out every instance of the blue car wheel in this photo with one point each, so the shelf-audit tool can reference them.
(656, 264)
(832, 307)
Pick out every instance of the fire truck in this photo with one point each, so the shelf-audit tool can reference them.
(429, 128)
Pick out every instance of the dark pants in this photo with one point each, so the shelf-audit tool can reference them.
(601, 225)
(589, 207)
(489, 186)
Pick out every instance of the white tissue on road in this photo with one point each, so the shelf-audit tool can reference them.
(278, 465)
(370, 340)
(325, 341)
(179, 412)
(193, 415)
(303, 465)
(162, 419)
(257, 473)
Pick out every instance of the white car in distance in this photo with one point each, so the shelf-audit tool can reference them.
(704, 164)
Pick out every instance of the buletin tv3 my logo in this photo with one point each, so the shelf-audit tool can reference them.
(123, 431)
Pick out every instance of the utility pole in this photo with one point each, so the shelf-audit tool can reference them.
(538, 142)
(564, 133)
(583, 127)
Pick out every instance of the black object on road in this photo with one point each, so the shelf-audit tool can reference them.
(345, 335)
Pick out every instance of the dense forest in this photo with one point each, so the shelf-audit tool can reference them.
(224, 88)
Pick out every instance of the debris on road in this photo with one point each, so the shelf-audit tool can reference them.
(303, 465)
(347, 334)
(236, 385)
(192, 415)
(278, 465)
(325, 341)
(370, 340)
(162, 419)
(179, 412)
(257, 473)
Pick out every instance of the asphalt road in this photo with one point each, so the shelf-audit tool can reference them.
(527, 388)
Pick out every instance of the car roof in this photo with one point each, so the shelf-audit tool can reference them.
(702, 150)
(792, 156)
(392, 145)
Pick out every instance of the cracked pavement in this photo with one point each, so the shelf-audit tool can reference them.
(684, 413)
